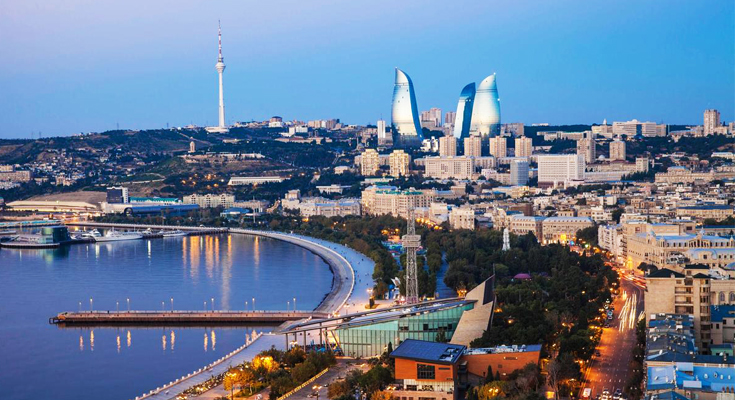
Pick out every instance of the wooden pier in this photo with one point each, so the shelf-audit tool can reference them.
(181, 317)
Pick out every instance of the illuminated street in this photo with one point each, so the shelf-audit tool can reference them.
(610, 370)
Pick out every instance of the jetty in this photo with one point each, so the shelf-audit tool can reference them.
(176, 317)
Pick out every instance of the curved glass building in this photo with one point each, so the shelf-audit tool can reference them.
(405, 114)
(464, 112)
(486, 110)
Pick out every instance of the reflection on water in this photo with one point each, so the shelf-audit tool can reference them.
(214, 271)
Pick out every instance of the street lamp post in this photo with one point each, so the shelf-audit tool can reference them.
(316, 391)
(172, 304)
(117, 306)
(163, 306)
(80, 306)
(253, 304)
(246, 306)
(128, 304)
(288, 306)
(212, 304)
(91, 304)
(294, 304)
(205, 306)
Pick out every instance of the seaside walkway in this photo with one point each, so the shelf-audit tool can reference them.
(178, 317)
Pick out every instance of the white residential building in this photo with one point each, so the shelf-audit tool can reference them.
(449, 167)
(554, 169)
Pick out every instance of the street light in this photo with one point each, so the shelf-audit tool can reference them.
(91, 305)
(117, 306)
(172, 304)
(253, 303)
(294, 304)
(128, 304)
(163, 306)
(316, 390)
(212, 304)
(288, 306)
(80, 306)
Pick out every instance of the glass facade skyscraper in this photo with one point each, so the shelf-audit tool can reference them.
(463, 117)
(405, 116)
(486, 110)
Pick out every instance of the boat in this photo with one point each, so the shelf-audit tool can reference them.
(94, 233)
(115, 236)
(176, 233)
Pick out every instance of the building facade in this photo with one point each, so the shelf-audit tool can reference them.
(369, 162)
(498, 147)
(463, 117)
(449, 167)
(486, 109)
(399, 162)
(382, 200)
(524, 146)
(617, 150)
(473, 146)
(447, 146)
(404, 116)
(519, 173)
(556, 169)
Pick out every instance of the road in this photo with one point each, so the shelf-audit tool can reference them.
(610, 370)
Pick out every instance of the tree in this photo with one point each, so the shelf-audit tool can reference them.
(381, 395)
(339, 389)
(232, 378)
(489, 375)
(246, 378)
(616, 214)
(441, 336)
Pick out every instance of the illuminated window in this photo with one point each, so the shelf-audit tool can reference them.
(424, 371)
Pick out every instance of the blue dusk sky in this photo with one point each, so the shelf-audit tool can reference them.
(86, 65)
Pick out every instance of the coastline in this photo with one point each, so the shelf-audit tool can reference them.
(344, 263)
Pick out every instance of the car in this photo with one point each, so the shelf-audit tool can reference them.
(598, 354)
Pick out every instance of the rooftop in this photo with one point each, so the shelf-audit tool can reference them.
(419, 350)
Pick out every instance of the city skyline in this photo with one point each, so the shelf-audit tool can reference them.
(80, 73)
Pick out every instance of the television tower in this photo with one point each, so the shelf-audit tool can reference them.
(220, 69)
(411, 242)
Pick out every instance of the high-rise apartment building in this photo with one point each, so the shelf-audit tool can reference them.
(404, 115)
(524, 146)
(617, 150)
(498, 147)
(449, 117)
(711, 121)
(369, 162)
(399, 161)
(383, 138)
(473, 146)
(555, 169)
(447, 146)
(519, 173)
(586, 148)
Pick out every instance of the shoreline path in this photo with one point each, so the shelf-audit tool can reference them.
(346, 296)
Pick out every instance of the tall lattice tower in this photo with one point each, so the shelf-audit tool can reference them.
(411, 242)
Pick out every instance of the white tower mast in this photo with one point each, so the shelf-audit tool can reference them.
(220, 69)
(411, 242)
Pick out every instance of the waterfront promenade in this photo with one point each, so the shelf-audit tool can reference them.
(182, 317)
(352, 279)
